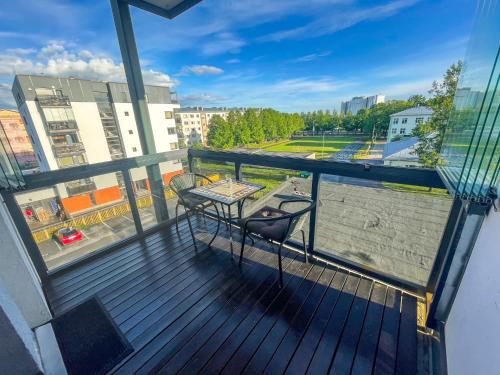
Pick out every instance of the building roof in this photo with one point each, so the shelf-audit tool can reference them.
(415, 111)
(401, 150)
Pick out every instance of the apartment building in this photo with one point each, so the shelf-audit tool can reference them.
(15, 132)
(358, 103)
(401, 124)
(193, 122)
(75, 122)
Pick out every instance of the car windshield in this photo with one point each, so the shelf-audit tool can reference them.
(68, 231)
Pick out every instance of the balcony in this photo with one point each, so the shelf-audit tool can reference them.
(68, 149)
(187, 309)
(56, 127)
(80, 188)
(53, 101)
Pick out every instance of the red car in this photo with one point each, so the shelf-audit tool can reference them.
(66, 236)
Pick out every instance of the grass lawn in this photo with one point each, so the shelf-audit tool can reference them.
(315, 144)
(416, 189)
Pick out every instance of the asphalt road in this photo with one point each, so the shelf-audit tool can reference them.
(98, 236)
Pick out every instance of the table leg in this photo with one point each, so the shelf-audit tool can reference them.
(230, 229)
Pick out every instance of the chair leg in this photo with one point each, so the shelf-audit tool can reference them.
(188, 214)
(279, 264)
(304, 243)
(177, 217)
(242, 247)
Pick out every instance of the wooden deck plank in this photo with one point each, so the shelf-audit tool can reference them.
(346, 349)
(406, 362)
(188, 311)
(388, 340)
(322, 358)
(297, 327)
(367, 346)
(251, 280)
(305, 351)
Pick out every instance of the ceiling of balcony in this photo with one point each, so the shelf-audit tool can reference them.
(164, 8)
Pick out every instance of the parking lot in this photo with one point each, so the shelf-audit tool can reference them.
(97, 237)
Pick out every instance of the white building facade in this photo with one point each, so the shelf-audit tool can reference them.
(193, 122)
(75, 122)
(358, 103)
(401, 124)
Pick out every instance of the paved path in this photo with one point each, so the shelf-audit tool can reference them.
(348, 152)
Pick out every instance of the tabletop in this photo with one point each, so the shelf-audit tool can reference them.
(227, 191)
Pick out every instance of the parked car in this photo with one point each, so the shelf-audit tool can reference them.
(66, 236)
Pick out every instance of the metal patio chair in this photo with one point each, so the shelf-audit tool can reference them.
(275, 224)
(181, 185)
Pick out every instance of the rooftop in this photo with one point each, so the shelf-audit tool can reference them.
(415, 111)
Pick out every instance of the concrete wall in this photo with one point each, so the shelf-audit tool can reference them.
(19, 350)
(18, 275)
(473, 327)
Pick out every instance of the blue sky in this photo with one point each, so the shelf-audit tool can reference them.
(292, 55)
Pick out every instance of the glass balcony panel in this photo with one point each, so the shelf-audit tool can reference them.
(389, 228)
(68, 224)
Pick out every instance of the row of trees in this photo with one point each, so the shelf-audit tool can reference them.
(375, 119)
(252, 126)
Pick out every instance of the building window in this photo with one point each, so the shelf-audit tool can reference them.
(191, 115)
(405, 120)
(197, 115)
(419, 120)
(395, 120)
(134, 149)
(174, 146)
(171, 131)
(130, 132)
(394, 130)
(169, 114)
(126, 113)
(402, 131)
(186, 122)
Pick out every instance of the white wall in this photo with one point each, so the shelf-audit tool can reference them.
(94, 140)
(160, 125)
(126, 124)
(409, 126)
(472, 332)
(18, 274)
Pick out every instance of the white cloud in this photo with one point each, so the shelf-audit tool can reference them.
(201, 70)
(56, 59)
(311, 57)
(233, 61)
(222, 43)
(335, 20)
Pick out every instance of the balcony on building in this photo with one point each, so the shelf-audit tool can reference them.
(392, 280)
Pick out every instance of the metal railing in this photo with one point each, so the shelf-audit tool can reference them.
(421, 177)
(316, 168)
(53, 101)
(130, 206)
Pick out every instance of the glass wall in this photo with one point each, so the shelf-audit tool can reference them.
(471, 148)
(391, 229)
(68, 227)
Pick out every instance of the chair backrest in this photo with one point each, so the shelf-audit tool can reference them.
(186, 181)
(297, 216)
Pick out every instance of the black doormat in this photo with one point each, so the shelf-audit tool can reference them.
(89, 340)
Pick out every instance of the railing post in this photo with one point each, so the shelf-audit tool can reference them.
(190, 162)
(133, 204)
(314, 212)
(239, 176)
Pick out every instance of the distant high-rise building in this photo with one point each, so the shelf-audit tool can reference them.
(19, 140)
(192, 123)
(358, 103)
(75, 122)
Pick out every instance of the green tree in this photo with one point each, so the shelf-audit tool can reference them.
(254, 123)
(220, 133)
(431, 133)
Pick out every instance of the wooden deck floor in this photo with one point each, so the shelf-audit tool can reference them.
(187, 311)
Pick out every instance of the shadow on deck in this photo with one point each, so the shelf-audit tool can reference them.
(187, 311)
